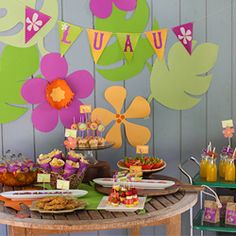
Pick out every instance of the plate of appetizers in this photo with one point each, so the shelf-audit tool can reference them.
(140, 184)
(115, 207)
(35, 194)
(58, 205)
(148, 164)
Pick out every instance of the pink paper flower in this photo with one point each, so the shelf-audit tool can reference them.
(228, 132)
(103, 8)
(58, 94)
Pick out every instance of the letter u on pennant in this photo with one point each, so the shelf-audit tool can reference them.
(157, 39)
(98, 41)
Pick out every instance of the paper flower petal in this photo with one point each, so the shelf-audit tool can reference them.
(139, 108)
(116, 96)
(32, 95)
(137, 134)
(53, 66)
(101, 8)
(104, 115)
(81, 82)
(114, 136)
(125, 5)
(70, 114)
(44, 117)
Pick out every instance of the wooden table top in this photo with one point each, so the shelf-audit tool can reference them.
(158, 209)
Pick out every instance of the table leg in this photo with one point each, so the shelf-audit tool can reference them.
(173, 227)
(16, 231)
(135, 231)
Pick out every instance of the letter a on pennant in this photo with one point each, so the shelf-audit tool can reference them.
(98, 41)
(34, 22)
(68, 33)
(157, 39)
(128, 42)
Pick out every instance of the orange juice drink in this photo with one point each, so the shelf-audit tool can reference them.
(230, 170)
(222, 165)
(203, 166)
(211, 175)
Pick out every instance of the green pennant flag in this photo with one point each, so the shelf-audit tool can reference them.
(128, 43)
(68, 33)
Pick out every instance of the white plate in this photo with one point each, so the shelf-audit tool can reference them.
(143, 184)
(34, 194)
(103, 205)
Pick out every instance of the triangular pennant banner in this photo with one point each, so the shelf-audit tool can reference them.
(34, 22)
(68, 33)
(98, 41)
(128, 42)
(157, 39)
(184, 33)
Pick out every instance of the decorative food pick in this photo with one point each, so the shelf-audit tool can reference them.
(228, 130)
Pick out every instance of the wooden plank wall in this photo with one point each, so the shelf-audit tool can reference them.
(176, 134)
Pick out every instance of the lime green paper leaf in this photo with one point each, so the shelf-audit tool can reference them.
(176, 84)
(16, 15)
(16, 65)
(118, 22)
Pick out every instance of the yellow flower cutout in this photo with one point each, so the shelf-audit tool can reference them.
(139, 108)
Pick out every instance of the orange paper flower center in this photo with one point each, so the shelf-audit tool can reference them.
(119, 118)
(59, 94)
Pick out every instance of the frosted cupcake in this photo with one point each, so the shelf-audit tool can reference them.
(45, 163)
(73, 156)
(71, 167)
(83, 143)
(101, 141)
(93, 143)
(56, 154)
(57, 165)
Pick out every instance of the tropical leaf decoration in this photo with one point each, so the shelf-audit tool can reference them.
(178, 82)
(14, 19)
(16, 65)
(119, 22)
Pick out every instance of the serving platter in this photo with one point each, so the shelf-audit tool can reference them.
(122, 165)
(103, 205)
(35, 208)
(142, 184)
(105, 146)
(35, 194)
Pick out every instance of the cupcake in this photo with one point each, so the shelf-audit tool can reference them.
(57, 165)
(73, 156)
(71, 167)
(93, 143)
(43, 156)
(56, 154)
(101, 141)
(83, 143)
(45, 163)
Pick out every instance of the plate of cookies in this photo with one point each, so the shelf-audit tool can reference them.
(58, 205)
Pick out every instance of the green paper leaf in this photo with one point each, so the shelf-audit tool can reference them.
(116, 23)
(16, 16)
(16, 65)
(176, 84)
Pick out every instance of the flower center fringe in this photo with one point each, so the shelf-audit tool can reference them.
(59, 94)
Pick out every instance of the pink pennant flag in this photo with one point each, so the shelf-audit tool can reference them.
(184, 33)
(34, 22)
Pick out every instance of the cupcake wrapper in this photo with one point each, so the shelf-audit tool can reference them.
(13, 168)
(57, 169)
(71, 158)
(70, 169)
(45, 166)
(58, 156)
(83, 166)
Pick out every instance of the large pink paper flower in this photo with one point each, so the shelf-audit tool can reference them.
(58, 94)
(103, 8)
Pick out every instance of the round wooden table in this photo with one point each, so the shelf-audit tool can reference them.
(160, 210)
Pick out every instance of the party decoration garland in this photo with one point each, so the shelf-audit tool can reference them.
(139, 108)
(16, 65)
(176, 83)
(58, 95)
(16, 14)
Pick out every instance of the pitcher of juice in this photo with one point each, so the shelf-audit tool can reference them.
(211, 174)
(222, 165)
(230, 170)
(203, 166)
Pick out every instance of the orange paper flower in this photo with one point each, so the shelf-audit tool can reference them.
(70, 143)
(139, 108)
(228, 132)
